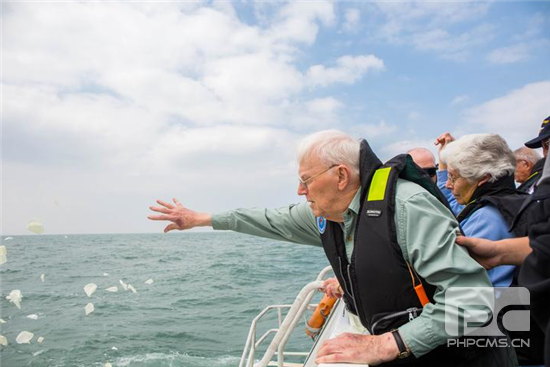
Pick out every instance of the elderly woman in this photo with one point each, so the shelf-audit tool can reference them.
(476, 174)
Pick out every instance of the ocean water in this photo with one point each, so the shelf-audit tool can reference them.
(207, 289)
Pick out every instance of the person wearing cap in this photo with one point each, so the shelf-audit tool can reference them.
(541, 141)
(528, 167)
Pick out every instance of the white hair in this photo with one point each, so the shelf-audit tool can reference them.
(527, 154)
(476, 155)
(331, 147)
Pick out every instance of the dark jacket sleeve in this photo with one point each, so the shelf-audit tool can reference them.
(535, 272)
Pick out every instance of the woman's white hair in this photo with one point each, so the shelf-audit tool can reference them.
(331, 147)
(477, 155)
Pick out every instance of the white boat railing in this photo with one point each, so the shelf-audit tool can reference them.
(284, 330)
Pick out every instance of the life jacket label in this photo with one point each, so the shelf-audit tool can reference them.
(374, 213)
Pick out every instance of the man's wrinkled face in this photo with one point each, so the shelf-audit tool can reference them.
(523, 170)
(321, 186)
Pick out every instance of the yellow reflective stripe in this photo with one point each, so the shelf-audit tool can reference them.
(378, 184)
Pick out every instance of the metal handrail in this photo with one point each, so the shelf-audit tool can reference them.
(285, 329)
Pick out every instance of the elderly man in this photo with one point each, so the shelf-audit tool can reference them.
(425, 160)
(528, 168)
(382, 235)
(541, 141)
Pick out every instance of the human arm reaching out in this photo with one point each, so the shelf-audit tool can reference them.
(489, 254)
(181, 217)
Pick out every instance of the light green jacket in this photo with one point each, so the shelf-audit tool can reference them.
(426, 232)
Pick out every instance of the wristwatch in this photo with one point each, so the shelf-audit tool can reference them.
(404, 351)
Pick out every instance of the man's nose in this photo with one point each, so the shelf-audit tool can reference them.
(301, 189)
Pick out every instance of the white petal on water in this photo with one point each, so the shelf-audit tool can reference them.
(24, 337)
(40, 339)
(107, 365)
(35, 226)
(105, 274)
(114, 348)
(131, 287)
(42, 277)
(8, 238)
(89, 308)
(124, 285)
(3, 254)
(2, 321)
(3, 340)
(15, 297)
(90, 289)
(112, 289)
(38, 353)
(33, 317)
(149, 281)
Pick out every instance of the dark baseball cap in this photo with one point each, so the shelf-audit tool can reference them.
(544, 133)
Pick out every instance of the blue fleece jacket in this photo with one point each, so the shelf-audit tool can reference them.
(486, 223)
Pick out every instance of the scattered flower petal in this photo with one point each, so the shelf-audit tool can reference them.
(3, 255)
(42, 277)
(2, 321)
(89, 308)
(33, 316)
(131, 287)
(90, 289)
(8, 238)
(40, 339)
(35, 226)
(3, 340)
(15, 297)
(149, 281)
(114, 348)
(105, 274)
(107, 365)
(124, 285)
(38, 353)
(112, 289)
(24, 337)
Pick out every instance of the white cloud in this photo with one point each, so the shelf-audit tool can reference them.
(401, 147)
(428, 26)
(517, 52)
(460, 99)
(348, 70)
(370, 131)
(516, 116)
(161, 97)
(352, 20)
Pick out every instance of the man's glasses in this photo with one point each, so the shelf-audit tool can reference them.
(305, 182)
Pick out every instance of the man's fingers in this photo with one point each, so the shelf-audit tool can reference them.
(160, 209)
(165, 204)
(464, 241)
(160, 217)
(176, 202)
(170, 227)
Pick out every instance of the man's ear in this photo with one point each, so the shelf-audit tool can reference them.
(343, 173)
(484, 179)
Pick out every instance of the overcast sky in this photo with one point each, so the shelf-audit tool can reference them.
(107, 106)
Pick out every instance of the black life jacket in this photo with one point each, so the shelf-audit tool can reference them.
(379, 285)
(377, 282)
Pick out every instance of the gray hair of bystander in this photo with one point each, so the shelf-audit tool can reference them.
(477, 155)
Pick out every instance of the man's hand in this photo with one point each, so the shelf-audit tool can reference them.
(181, 218)
(357, 348)
(509, 251)
(485, 252)
(332, 288)
(442, 141)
